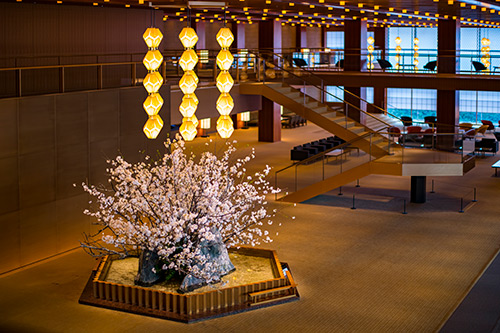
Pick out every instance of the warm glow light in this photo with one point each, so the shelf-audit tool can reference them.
(188, 129)
(188, 82)
(416, 40)
(224, 60)
(225, 104)
(188, 37)
(224, 82)
(225, 126)
(485, 41)
(153, 104)
(152, 37)
(398, 40)
(188, 107)
(153, 127)
(371, 40)
(152, 82)
(152, 60)
(245, 116)
(225, 37)
(188, 60)
(205, 123)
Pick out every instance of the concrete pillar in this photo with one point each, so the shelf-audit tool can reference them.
(447, 100)
(269, 121)
(355, 35)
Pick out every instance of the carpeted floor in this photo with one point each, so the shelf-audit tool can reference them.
(372, 269)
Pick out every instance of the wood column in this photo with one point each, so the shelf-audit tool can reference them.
(298, 38)
(448, 62)
(269, 121)
(355, 34)
(380, 93)
(269, 115)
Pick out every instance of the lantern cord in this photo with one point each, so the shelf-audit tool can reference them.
(224, 17)
(189, 16)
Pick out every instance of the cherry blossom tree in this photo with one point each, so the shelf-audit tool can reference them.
(177, 205)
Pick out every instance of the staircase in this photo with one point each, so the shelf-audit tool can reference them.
(332, 120)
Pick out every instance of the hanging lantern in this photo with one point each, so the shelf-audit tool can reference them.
(415, 52)
(188, 83)
(153, 127)
(152, 37)
(152, 60)
(225, 126)
(188, 107)
(188, 37)
(153, 82)
(245, 116)
(224, 60)
(398, 50)
(225, 104)
(153, 104)
(370, 48)
(224, 82)
(485, 52)
(188, 129)
(188, 60)
(225, 38)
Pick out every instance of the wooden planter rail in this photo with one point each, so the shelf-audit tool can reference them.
(194, 306)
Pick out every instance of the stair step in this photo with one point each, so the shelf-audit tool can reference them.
(321, 109)
(357, 129)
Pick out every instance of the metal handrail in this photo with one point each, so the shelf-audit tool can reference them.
(323, 90)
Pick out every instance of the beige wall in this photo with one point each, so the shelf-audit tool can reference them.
(313, 39)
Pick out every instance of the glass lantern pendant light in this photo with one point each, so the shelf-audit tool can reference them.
(398, 51)
(370, 48)
(485, 52)
(224, 82)
(153, 82)
(188, 84)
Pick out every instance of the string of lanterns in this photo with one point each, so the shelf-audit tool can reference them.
(398, 50)
(152, 82)
(225, 82)
(415, 52)
(485, 52)
(371, 48)
(188, 84)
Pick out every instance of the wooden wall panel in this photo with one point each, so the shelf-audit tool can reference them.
(171, 29)
(72, 168)
(37, 176)
(288, 37)
(36, 124)
(71, 119)
(71, 223)
(18, 31)
(45, 30)
(252, 36)
(8, 128)
(40, 210)
(37, 229)
(103, 115)
(9, 185)
(10, 244)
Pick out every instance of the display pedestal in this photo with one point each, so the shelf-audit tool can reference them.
(192, 307)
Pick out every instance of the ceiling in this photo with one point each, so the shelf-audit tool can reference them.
(327, 13)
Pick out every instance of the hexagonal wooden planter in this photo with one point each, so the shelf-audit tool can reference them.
(194, 306)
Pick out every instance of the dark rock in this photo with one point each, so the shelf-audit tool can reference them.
(149, 269)
(215, 252)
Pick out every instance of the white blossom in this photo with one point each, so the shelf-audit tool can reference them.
(172, 205)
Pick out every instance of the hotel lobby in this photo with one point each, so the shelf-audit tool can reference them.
(393, 235)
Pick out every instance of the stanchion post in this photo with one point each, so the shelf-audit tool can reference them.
(432, 187)
(404, 207)
(475, 199)
(340, 190)
(357, 183)
(353, 201)
(461, 205)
